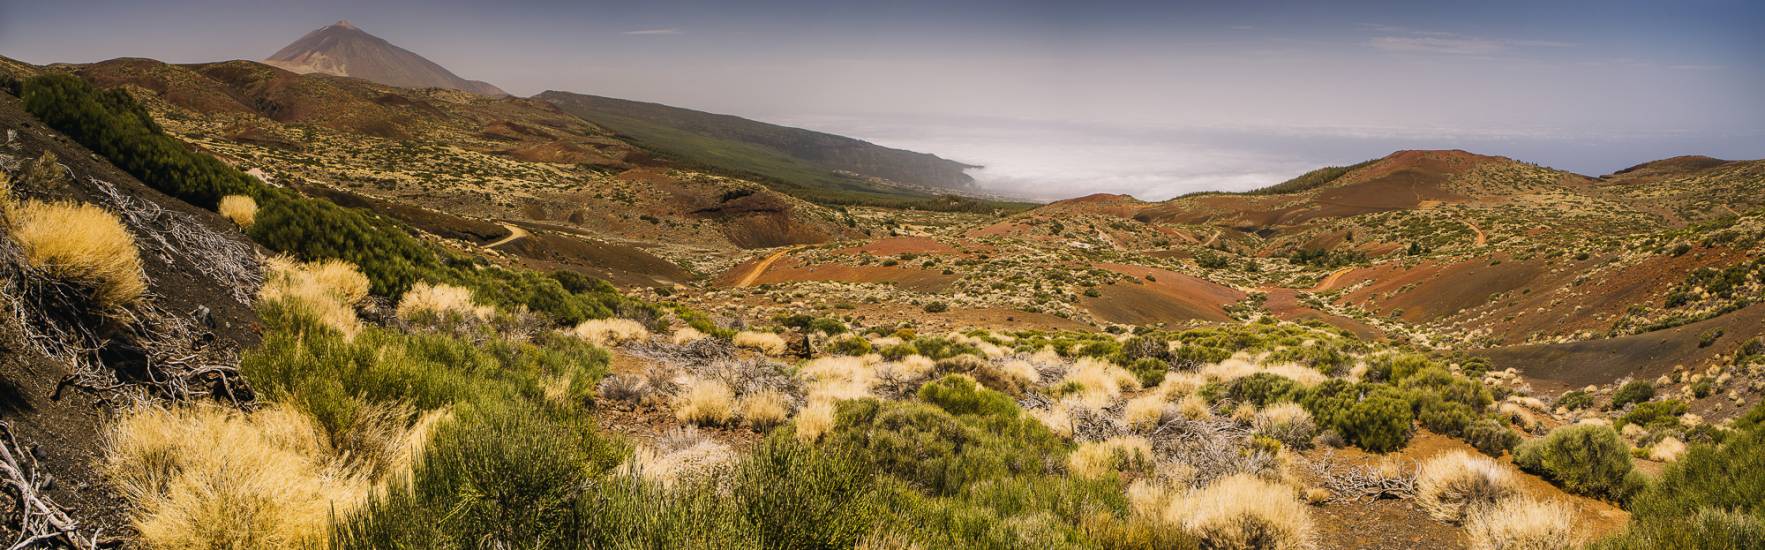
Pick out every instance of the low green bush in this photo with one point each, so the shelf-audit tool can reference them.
(1491, 436)
(1575, 400)
(1708, 499)
(1583, 459)
(1635, 391)
(1382, 422)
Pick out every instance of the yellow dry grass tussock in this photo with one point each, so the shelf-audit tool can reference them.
(1118, 454)
(211, 477)
(1522, 524)
(1243, 511)
(328, 290)
(240, 209)
(1101, 382)
(704, 401)
(764, 409)
(81, 244)
(763, 342)
(609, 332)
(440, 300)
(1454, 485)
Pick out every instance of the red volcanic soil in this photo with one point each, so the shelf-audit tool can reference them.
(1284, 304)
(621, 264)
(1173, 297)
(891, 246)
(1430, 291)
(1402, 181)
(791, 270)
(1645, 356)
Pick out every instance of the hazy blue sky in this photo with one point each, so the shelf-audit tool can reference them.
(1058, 98)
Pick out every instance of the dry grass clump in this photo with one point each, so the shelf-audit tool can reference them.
(815, 421)
(1233, 368)
(704, 401)
(610, 332)
(1179, 384)
(1667, 449)
(1058, 419)
(327, 290)
(764, 409)
(211, 477)
(1455, 485)
(440, 300)
(82, 244)
(1118, 454)
(763, 342)
(686, 335)
(240, 209)
(1100, 382)
(1288, 423)
(1194, 407)
(1244, 511)
(837, 378)
(1022, 370)
(1147, 411)
(908, 369)
(1522, 524)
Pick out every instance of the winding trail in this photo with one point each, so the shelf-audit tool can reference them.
(760, 268)
(1215, 237)
(514, 233)
(1330, 279)
(1481, 238)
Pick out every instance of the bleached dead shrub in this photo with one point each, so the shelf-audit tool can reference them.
(686, 335)
(764, 409)
(610, 332)
(80, 244)
(1517, 414)
(1100, 382)
(328, 290)
(440, 300)
(629, 388)
(1668, 449)
(1244, 512)
(1288, 423)
(1119, 454)
(213, 477)
(703, 401)
(1451, 486)
(240, 209)
(679, 457)
(814, 421)
(1147, 411)
(1522, 524)
(763, 342)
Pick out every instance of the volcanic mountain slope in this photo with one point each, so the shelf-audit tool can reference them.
(810, 163)
(341, 49)
(461, 164)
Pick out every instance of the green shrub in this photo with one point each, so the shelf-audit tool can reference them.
(959, 395)
(1708, 499)
(936, 307)
(937, 452)
(1262, 389)
(943, 348)
(849, 346)
(1442, 416)
(1149, 370)
(1382, 422)
(1330, 402)
(1584, 459)
(1648, 414)
(1635, 391)
(1491, 437)
(1575, 400)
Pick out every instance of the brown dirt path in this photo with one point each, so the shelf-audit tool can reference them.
(515, 232)
(760, 268)
(1481, 238)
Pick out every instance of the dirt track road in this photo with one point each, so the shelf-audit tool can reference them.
(1330, 279)
(514, 233)
(760, 268)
